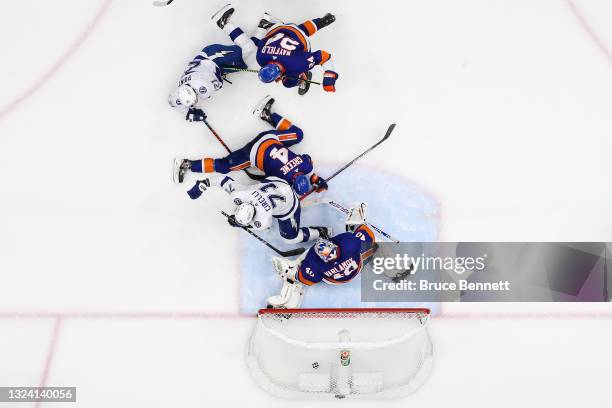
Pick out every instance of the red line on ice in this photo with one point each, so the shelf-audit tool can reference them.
(589, 30)
(50, 353)
(36, 86)
(124, 315)
(233, 315)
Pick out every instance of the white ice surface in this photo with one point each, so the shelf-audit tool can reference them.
(504, 113)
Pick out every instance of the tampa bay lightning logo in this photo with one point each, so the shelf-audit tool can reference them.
(203, 90)
(237, 201)
(257, 224)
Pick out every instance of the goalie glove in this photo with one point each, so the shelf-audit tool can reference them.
(198, 188)
(287, 270)
(356, 216)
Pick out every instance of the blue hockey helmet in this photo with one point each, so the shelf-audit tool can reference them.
(327, 250)
(301, 184)
(270, 72)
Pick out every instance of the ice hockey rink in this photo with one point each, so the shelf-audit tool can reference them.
(113, 281)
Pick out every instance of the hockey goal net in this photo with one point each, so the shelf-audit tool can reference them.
(304, 353)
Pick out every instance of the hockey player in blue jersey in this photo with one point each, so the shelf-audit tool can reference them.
(205, 75)
(284, 53)
(269, 151)
(256, 206)
(335, 261)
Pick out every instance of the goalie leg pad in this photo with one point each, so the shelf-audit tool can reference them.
(291, 296)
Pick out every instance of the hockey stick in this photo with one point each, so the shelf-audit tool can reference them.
(216, 135)
(256, 71)
(160, 3)
(341, 208)
(328, 179)
(293, 252)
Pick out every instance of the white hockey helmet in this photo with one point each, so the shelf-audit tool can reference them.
(244, 214)
(186, 96)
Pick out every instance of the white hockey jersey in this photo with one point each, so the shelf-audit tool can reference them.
(204, 76)
(273, 198)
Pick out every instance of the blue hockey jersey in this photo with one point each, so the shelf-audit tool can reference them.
(289, 46)
(271, 156)
(353, 247)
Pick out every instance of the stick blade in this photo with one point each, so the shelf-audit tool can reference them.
(389, 131)
(294, 252)
(159, 3)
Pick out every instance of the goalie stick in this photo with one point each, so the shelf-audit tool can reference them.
(340, 170)
(160, 3)
(341, 208)
(252, 176)
(285, 254)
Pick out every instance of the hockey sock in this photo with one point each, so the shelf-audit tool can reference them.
(279, 122)
(309, 27)
(203, 166)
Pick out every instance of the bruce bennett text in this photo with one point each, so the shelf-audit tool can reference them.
(425, 285)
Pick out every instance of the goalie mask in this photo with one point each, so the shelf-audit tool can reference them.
(327, 250)
(244, 214)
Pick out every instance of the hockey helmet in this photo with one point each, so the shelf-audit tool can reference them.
(327, 250)
(301, 184)
(244, 214)
(186, 96)
(270, 72)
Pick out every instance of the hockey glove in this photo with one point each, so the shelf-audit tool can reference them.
(329, 81)
(195, 115)
(318, 183)
(198, 188)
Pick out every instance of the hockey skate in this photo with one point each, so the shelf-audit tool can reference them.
(263, 110)
(326, 20)
(268, 21)
(179, 168)
(304, 85)
(222, 16)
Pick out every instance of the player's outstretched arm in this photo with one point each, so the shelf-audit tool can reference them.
(226, 183)
(229, 185)
(330, 76)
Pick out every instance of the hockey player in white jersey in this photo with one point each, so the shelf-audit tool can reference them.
(256, 206)
(205, 75)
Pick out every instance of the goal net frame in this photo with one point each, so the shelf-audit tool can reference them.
(391, 361)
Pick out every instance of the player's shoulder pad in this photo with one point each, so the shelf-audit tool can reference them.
(347, 242)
